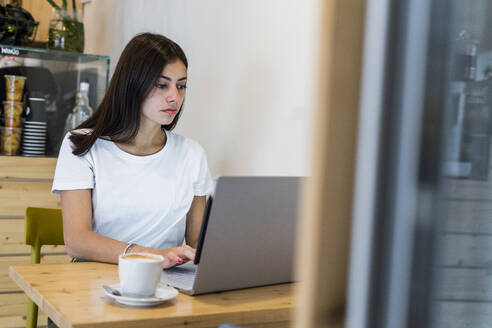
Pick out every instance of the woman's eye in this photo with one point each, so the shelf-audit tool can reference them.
(161, 86)
(181, 86)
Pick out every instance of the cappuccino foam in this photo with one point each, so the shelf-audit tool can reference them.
(140, 257)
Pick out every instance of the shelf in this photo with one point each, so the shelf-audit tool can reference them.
(49, 54)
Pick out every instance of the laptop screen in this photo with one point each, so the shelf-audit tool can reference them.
(203, 230)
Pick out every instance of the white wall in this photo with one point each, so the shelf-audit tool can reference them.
(251, 77)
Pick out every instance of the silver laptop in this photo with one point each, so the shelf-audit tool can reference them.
(246, 239)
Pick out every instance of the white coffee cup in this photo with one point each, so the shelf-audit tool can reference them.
(139, 273)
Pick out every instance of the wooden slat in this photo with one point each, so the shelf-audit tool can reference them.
(470, 189)
(18, 167)
(6, 284)
(12, 239)
(466, 250)
(462, 315)
(13, 308)
(15, 196)
(468, 217)
(327, 198)
(464, 284)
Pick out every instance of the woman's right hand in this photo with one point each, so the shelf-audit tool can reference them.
(177, 255)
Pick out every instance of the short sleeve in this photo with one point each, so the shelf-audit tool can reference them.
(203, 184)
(72, 171)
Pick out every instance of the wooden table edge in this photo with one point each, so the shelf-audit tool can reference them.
(208, 320)
(36, 297)
(49, 309)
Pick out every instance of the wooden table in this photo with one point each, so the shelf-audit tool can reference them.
(71, 295)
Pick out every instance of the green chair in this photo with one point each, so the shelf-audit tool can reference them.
(44, 226)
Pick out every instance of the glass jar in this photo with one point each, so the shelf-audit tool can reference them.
(66, 31)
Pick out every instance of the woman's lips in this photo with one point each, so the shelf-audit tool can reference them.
(170, 111)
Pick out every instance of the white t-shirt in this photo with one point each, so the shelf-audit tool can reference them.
(139, 199)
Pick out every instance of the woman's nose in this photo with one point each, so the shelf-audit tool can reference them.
(173, 94)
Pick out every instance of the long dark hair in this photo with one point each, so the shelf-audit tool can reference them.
(118, 116)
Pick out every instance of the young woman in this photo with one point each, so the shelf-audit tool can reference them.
(128, 183)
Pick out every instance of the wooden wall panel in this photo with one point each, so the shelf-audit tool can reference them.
(466, 250)
(463, 315)
(23, 182)
(470, 189)
(6, 284)
(465, 285)
(13, 308)
(41, 11)
(12, 239)
(468, 216)
(18, 167)
(464, 297)
(15, 196)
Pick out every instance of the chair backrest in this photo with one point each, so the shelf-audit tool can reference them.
(44, 226)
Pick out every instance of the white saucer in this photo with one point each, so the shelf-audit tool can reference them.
(162, 294)
(36, 123)
(37, 143)
(39, 137)
(29, 151)
(34, 131)
(33, 155)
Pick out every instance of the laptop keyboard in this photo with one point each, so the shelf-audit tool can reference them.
(181, 277)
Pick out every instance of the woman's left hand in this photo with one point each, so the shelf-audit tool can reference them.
(177, 255)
